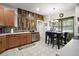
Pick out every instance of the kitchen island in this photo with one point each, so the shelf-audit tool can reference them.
(12, 40)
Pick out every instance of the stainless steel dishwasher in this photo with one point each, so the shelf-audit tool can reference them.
(33, 36)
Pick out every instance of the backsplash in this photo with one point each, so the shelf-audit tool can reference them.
(5, 30)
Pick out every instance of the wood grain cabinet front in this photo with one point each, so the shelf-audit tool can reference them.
(9, 17)
(13, 40)
(3, 43)
(29, 37)
(1, 16)
(23, 38)
(37, 36)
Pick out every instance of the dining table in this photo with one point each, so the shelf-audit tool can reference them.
(52, 35)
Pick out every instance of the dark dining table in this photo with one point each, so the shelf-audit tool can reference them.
(52, 35)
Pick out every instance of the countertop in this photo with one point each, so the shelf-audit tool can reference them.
(71, 49)
(14, 33)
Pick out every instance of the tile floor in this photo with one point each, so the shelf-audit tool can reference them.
(35, 49)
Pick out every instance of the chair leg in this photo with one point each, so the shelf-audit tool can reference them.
(48, 41)
(53, 43)
(61, 41)
(65, 41)
(58, 43)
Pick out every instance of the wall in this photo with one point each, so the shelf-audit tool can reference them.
(76, 25)
(40, 28)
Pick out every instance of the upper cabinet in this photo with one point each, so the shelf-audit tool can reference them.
(40, 17)
(6, 16)
(27, 19)
(1, 15)
(9, 17)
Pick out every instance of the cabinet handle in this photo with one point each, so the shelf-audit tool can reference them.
(0, 42)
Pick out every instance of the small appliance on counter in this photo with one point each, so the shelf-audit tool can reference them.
(1, 31)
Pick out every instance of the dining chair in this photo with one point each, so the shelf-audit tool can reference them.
(64, 37)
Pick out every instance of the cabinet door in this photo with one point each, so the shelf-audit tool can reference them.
(1, 15)
(13, 41)
(0, 44)
(9, 17)
(23, 38)
(29, 37)
(37, 36)
(3, 43)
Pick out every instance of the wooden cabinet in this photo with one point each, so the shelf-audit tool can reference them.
(9, 17)
(6, 16)
(37, 36)
(0, 44)
(1, 15)
(29, 37)
(13, 40)
(3, 43)
(23, 38)
(27, 19)
(40, 17)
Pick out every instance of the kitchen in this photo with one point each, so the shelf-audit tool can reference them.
(21, 25)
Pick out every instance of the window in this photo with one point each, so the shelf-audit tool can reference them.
(64, 25)
(68, 25)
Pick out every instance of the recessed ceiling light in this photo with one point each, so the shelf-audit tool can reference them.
(37, 9)
(53, 8)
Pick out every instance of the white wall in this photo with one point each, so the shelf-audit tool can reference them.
(76, 20)
(40, 28)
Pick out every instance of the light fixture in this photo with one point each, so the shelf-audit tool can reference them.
(37, 9)
(29, 15)
(53, 8)
(55, 20)
(61, 15)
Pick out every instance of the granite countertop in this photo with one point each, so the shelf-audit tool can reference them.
(71, 49)
(13, 33)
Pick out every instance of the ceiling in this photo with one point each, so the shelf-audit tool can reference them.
(43, 8)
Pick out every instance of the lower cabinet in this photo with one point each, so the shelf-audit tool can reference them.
(13, 40)
(29, 38)
(23, 39)
(3, 43)
(37, 36)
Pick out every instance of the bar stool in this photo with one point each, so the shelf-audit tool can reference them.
(53, 36)
(64, 37)
(48, 34)
(59, 39)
